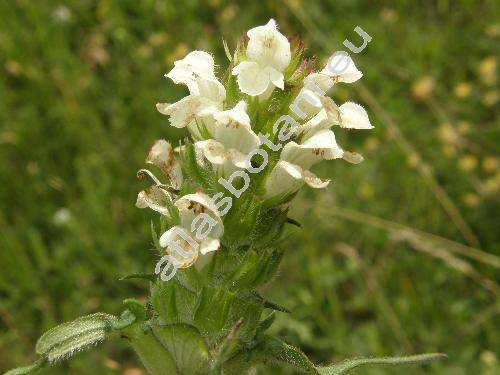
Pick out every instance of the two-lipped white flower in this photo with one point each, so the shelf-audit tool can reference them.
(292, 170)
(162, 156)
(233, 138)
(157, 196)
(268, 54)
(340, 68)
(287, 178)
(206, 96)
(199, 230)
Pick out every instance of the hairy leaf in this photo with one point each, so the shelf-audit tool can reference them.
(280, 351)
(66, 339)
(347, 365)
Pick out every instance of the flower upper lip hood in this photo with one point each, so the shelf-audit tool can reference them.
(233, 129)
(268, 54)
(268, 46)
(196, 64)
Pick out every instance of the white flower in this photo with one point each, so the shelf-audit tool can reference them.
(234, 131)
(349, 115)
(354, 116)
(287, 178)
(157, 196)
(233, 139)
(161, 155)
(268, 55)
(206, 96)
(192, 205)
(180, 246)
(321, 145)
(196, 64)
(341, 68)
(199, 230)
(292, 170)
(201, 105)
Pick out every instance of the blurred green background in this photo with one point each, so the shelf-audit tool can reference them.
(400, 255)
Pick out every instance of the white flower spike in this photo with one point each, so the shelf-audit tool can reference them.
(224, 134)
(268, 55)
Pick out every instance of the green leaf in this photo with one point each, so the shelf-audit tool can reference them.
(285, 353)
(289, 220)
(28, 369)
(244, 276)
(240, 221)
(154, 235)
(189, 279)
(69, 338)
(186, 346)
(347, 365)
(240, 363)
(269, 264)
(229, 347)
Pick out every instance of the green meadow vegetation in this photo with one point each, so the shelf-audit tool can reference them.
(400, 255)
